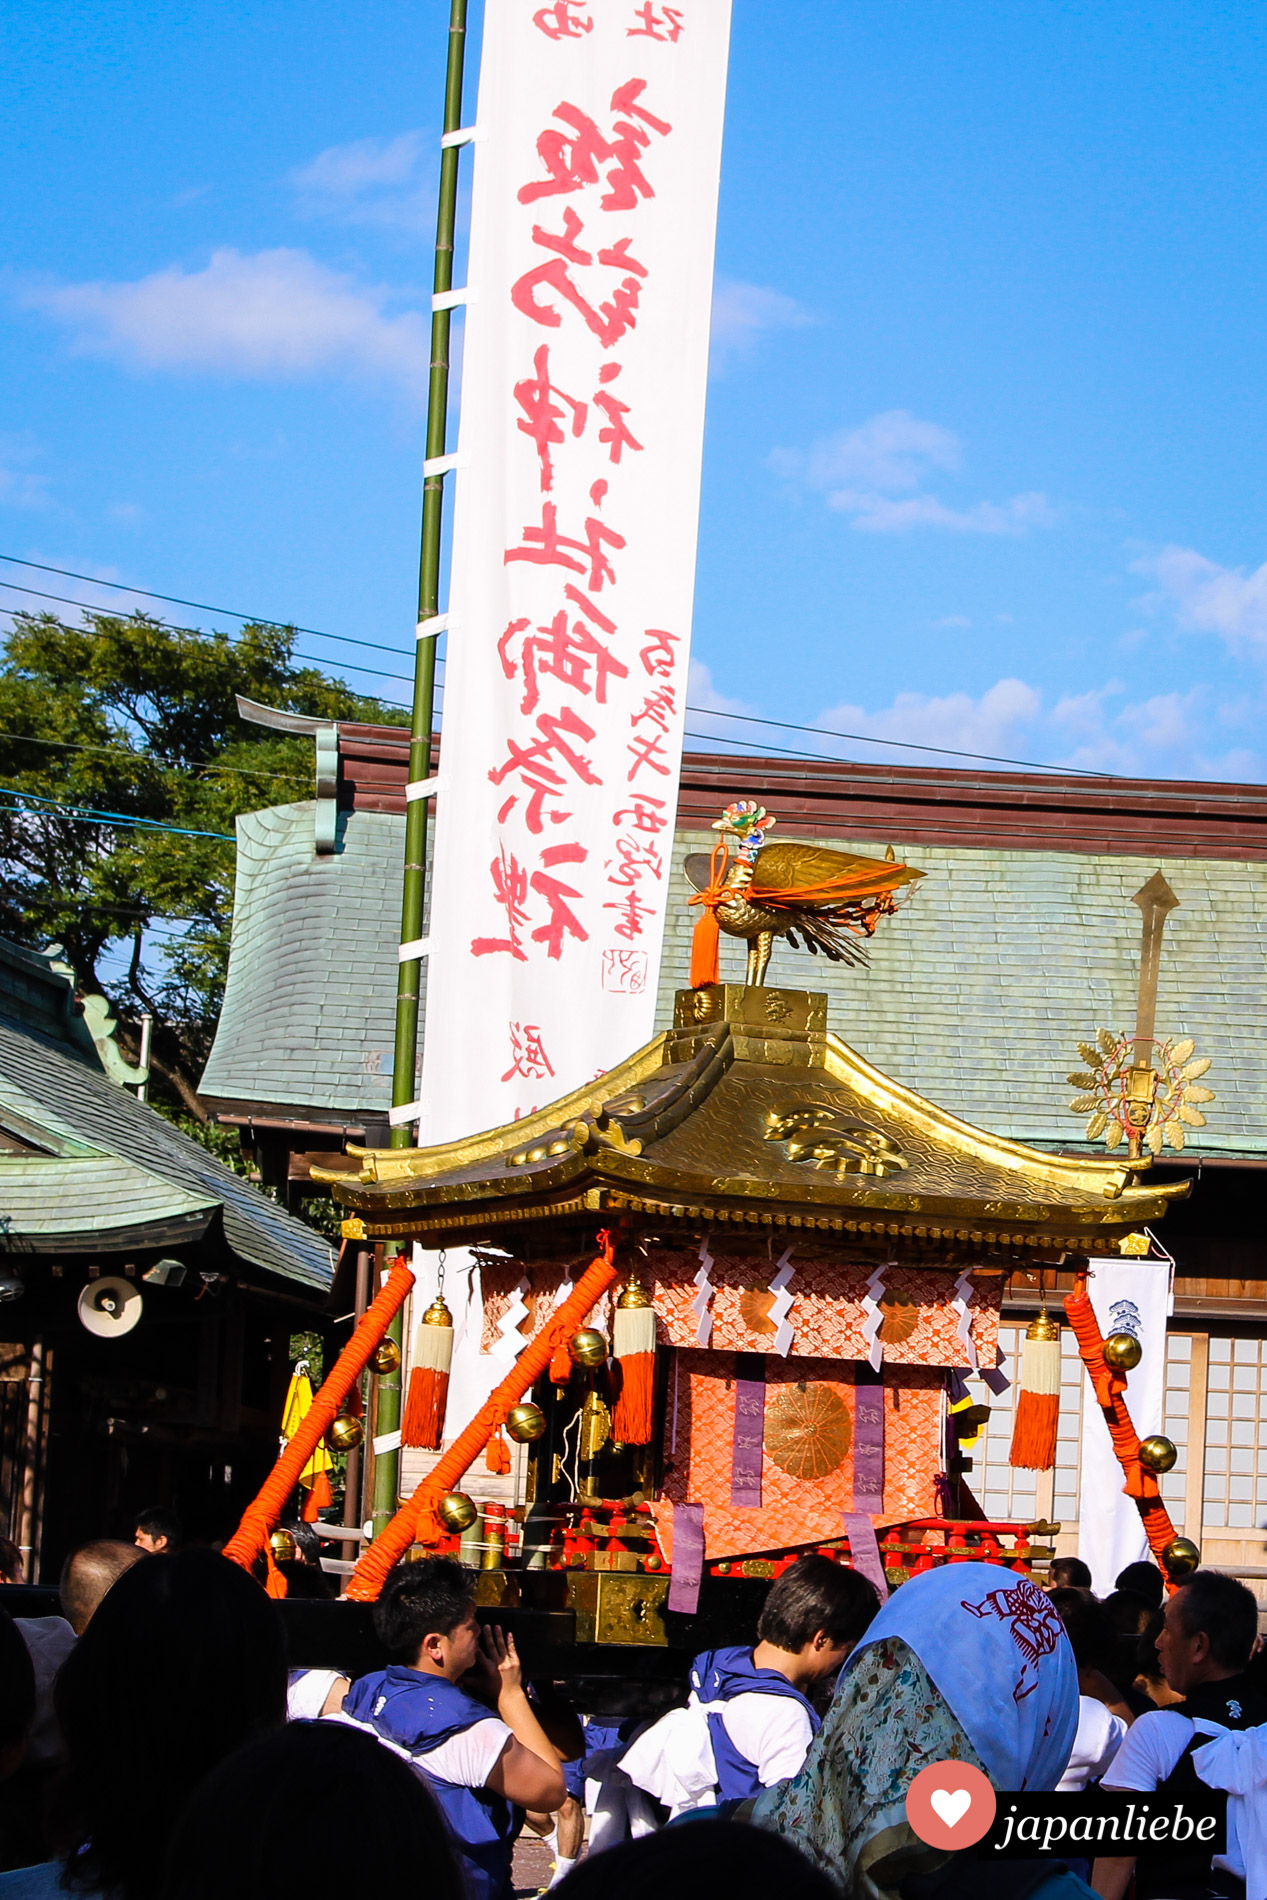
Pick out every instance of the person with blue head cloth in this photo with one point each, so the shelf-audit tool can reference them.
(968, 1662)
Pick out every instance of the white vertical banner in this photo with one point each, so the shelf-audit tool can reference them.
(594, 198)
(1127, 1296)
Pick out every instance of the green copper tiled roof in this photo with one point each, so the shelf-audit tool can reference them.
(980, 989)
(309, 1008)
(114, 1162)
(977, 994)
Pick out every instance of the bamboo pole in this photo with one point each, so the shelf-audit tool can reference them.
(416, 1520)
(404, 1080)
(386, 1466)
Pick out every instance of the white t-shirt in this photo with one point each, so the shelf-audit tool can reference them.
(306, 1692)
(772, 1731)
(465, 1760)
(1151, 1751)
(1095, 1745)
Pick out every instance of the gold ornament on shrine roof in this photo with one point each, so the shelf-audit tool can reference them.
(1137, 1088)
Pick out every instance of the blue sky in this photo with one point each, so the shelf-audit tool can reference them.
(986, 456)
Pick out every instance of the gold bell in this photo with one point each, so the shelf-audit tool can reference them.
(1158, 1453)
(635, 1294)
(588, 1347)
(345, 1432)
(1180, 1557)
(437, 1314)
(456, 1511)
(1043, 1327)
(385, 1357)
(1123, 1352)
(524, 1423)
(283, 1546)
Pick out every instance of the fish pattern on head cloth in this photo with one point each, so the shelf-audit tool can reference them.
(997, 1651)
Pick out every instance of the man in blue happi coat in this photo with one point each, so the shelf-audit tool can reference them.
(750, 1719)
(454, 1704)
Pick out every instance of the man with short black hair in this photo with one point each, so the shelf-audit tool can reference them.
(157, 1532)
(1145, 1580)
(1068, 1573)
(1206, 1640)
(756, 1702)
(452, 1701)
(88, 1573)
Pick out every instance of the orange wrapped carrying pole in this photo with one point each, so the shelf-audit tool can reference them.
(416, 1521)
(1109, 1388)
(260, 1516)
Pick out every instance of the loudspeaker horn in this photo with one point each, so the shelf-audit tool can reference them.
(110, 1307)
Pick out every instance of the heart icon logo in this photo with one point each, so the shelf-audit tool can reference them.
(950, 1805)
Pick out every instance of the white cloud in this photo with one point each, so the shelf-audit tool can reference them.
(21, 486)
(1166, 735)
(741, 313)
(994, 723)
(275, 314)
(703, 696)
(877, 474)
(952, 620)
(379, 181)
(1207, 598)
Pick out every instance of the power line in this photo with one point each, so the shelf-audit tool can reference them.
(752, 719)
(108, 817)
(906, 745)
(316, 659)
(175, 600)
(126, 752)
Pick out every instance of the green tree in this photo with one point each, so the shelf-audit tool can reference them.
(128, 716)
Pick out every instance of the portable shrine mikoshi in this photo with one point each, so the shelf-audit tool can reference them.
(752, 1274)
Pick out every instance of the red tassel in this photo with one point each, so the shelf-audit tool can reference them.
(319, 1497)
(422, 1426)
(633, 1416)
(497, 1457)
(706, 950)
(1034, 1432)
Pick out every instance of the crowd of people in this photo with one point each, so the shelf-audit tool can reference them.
(154, 1745)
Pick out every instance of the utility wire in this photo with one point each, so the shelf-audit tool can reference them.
(107, 817)
(316, 659)
(854, 738)
(127, 752)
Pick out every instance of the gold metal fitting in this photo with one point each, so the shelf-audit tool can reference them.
(1044, 1327)
(437, 1314)
(1157, 1453)
(634, 1294)
(1123, 1352)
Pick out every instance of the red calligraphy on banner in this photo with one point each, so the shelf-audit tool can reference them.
(569, 652)
(610, 319)
(536, 775)
(546, 547)
(563, 21)
(668, 24)
(512, 885)
(573, 159)
(527, 1053)
(543, 415)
